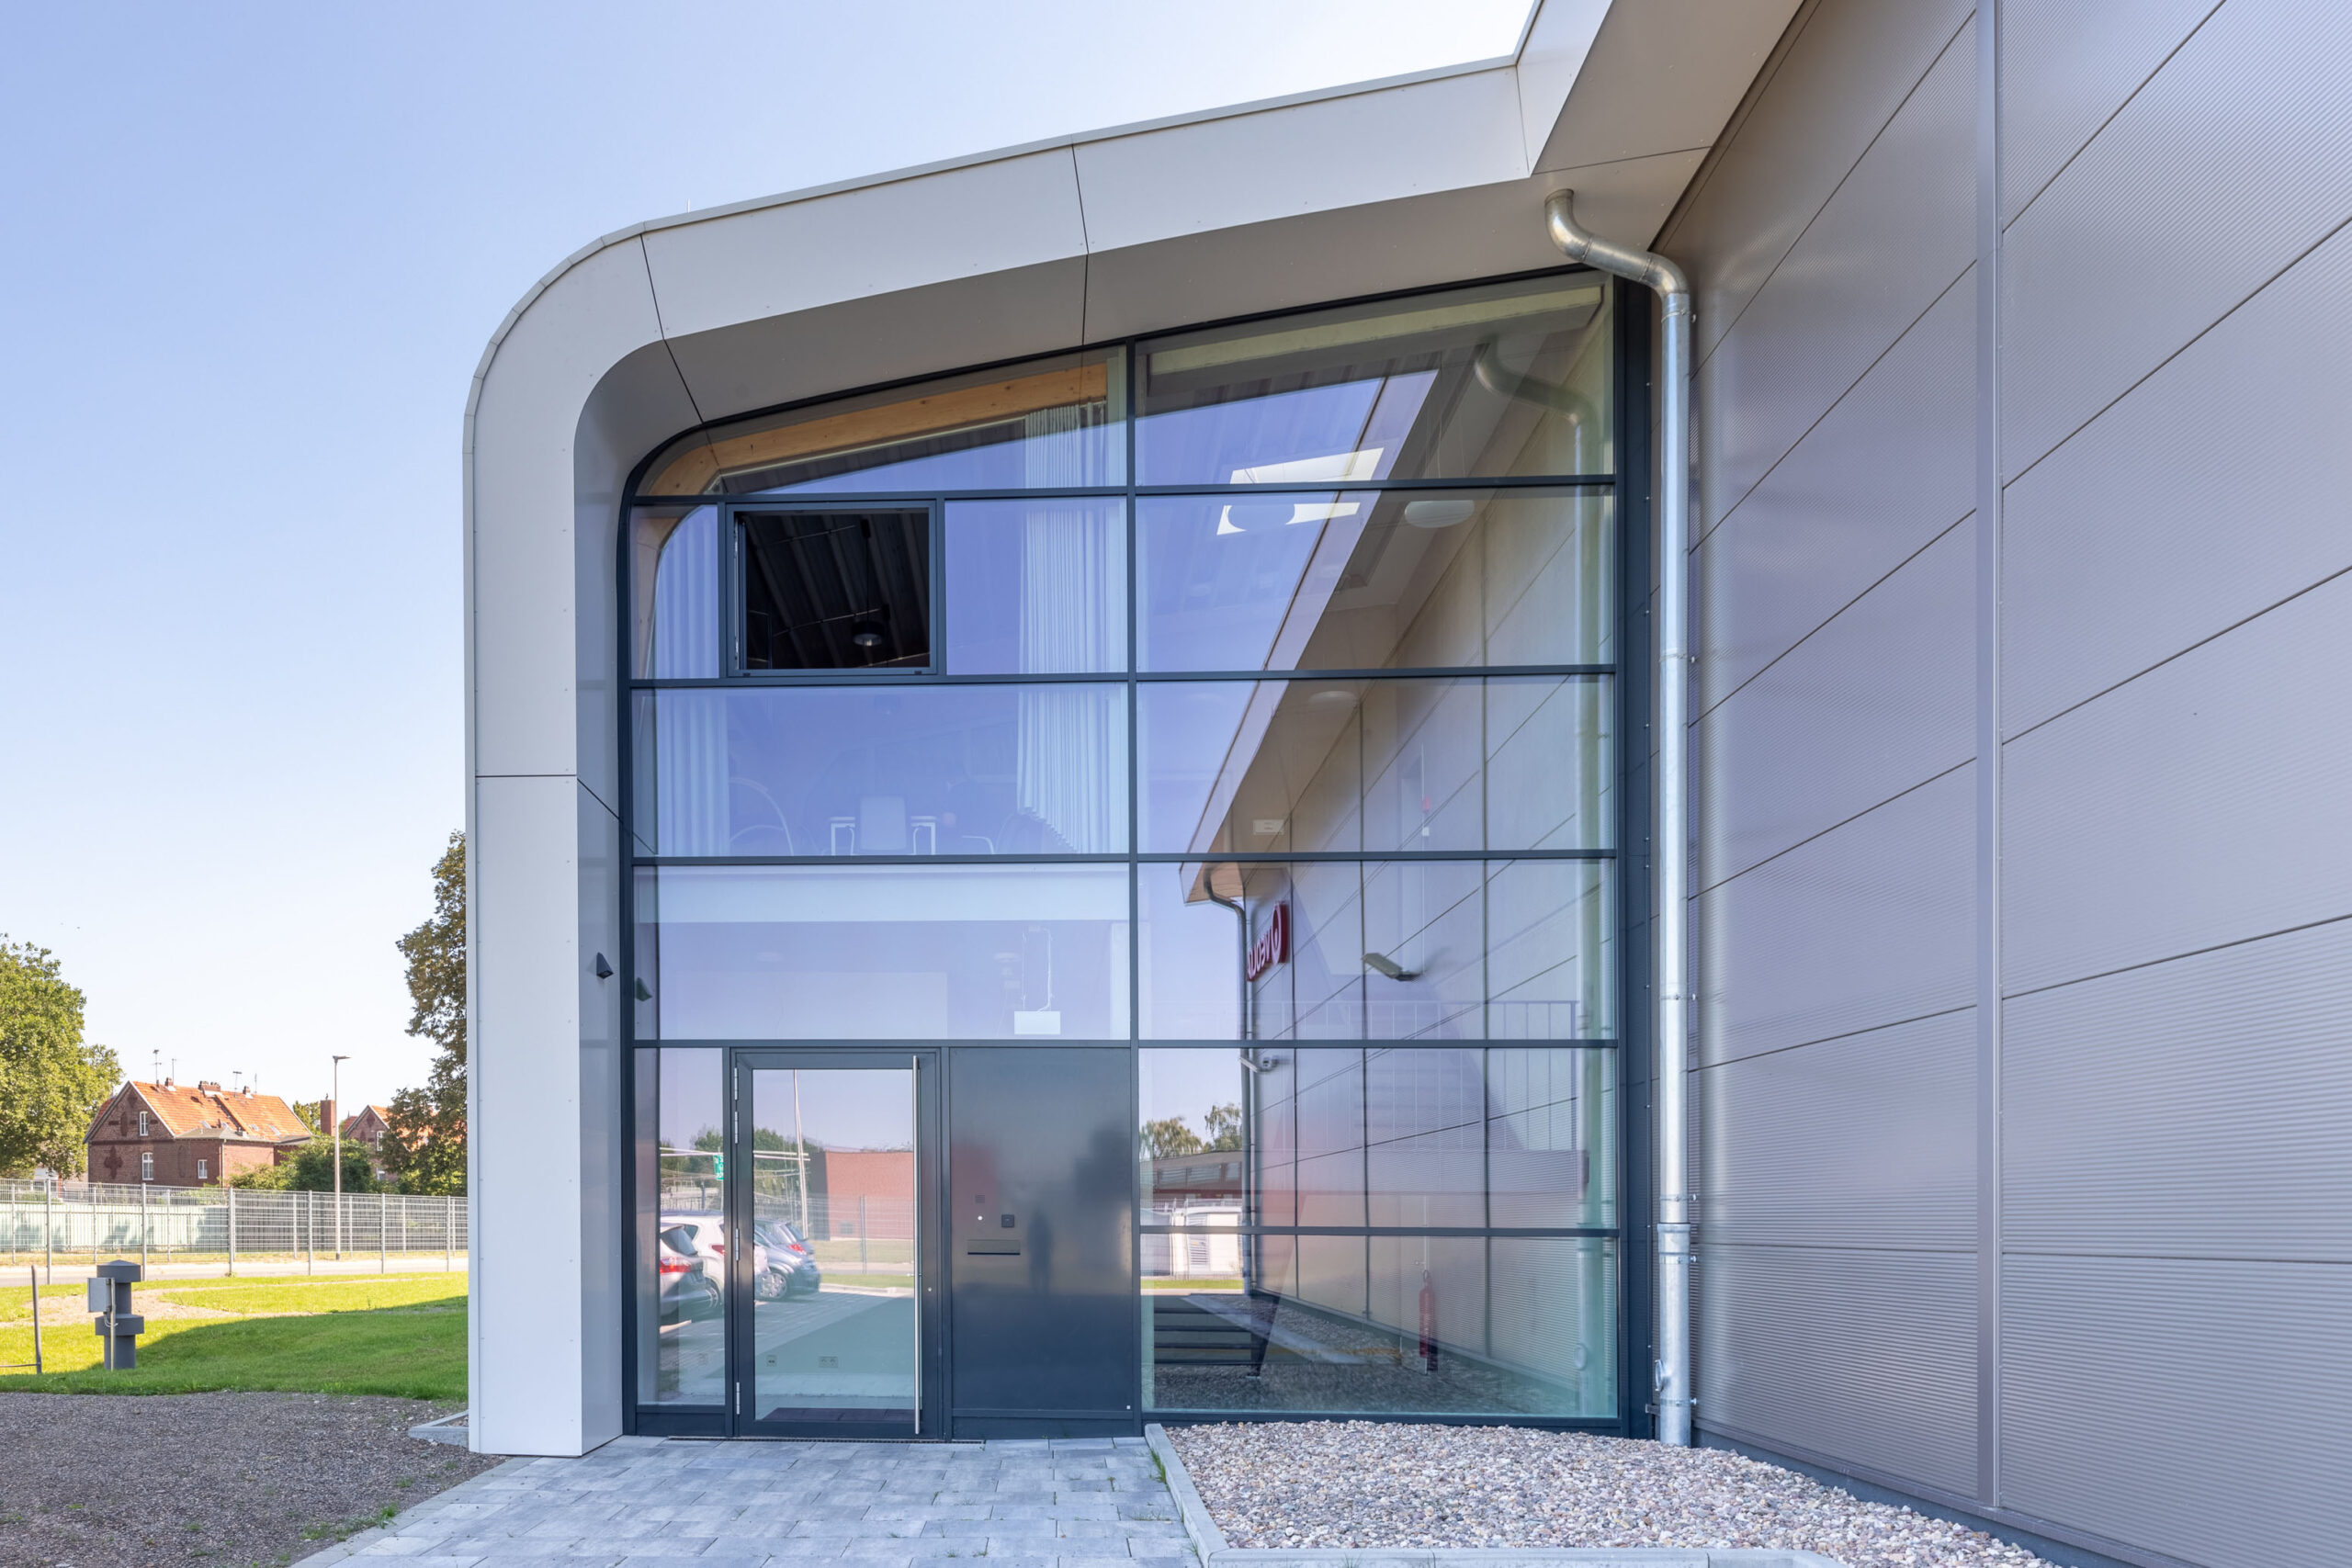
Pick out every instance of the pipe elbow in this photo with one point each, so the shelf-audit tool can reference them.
(1646, 268)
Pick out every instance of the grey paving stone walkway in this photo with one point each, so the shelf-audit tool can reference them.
(1088, 1503)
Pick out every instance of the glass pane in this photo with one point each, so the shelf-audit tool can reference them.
(1388, 766)
(1402, 1137)
(834, 1245)
(902, 771)
(1501, 381)
(836, 590)
(681, 1238)
(1047, 425)
(1365, 579)
(1036, 587)
(673, 572)
(889, 953)
(1405, 1325)
(1381, 950)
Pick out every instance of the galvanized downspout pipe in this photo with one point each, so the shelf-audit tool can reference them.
(1670, 1380)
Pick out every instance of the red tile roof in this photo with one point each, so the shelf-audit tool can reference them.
(190, 1111)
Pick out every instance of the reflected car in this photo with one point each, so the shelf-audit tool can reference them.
(687, 1292)
(794, 1272)
(705, 1236)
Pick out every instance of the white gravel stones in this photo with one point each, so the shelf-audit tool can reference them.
(1364, 1484)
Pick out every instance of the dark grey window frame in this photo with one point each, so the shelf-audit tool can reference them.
(1630, 486)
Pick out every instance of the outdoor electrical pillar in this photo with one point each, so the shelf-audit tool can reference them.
(119, 1327)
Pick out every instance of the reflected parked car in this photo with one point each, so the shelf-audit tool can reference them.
(687, 1292)
(705, 1235)
(795, 1270)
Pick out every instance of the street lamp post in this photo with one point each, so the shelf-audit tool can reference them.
(335, 1116)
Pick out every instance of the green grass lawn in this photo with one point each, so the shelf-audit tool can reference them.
(399, 1334)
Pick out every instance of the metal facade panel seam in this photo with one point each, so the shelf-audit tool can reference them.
(2232, 1063)
(2066, 66)
(1844, 76)
(1879, 699)
(1865, 926)
(1865, 1355)
(2250, 126)
(2198, 804)
(2113, 557)
(1865, 1141)
(2123, 1407)
(1885, 248)
(1885, 472)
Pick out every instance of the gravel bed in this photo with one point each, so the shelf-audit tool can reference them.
(221, 1479)
(1365, 1484)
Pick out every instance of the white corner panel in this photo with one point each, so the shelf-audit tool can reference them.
(1880, 698)
(2247, 132)
(520, 560)
(2130, 543)
(1885, 472)
(1662, 75)
(1868, 925)
(853, 244)
(1363, 148)
(535, 1359)
(2199, 805)
(1551, 61)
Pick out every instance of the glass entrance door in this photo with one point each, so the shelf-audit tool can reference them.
(833, 1287)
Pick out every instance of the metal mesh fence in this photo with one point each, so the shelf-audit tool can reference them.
(81, 1222)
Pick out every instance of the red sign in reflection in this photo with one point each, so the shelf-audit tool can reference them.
(1272, 945)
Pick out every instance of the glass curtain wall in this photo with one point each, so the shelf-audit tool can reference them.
(1247, 694)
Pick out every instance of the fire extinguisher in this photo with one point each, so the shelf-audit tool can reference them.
(1429, 1322)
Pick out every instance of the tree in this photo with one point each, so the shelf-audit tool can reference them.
(50, 1081)
(1224, 1122)
(1168, 1137)
(312, 1170)
(425, 1149)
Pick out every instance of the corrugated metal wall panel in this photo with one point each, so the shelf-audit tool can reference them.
(2178, 513)
(2198, 804)
(1865, 1356)
(1879, 699)
(2143, 1112)
(2098, 286)
(1844, 76)
(1885, 472)
(1887, 245)
(1865, 926)
(2066, 66)
(1869, 1140)
(2188, 1407)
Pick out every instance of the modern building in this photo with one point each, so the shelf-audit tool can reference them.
(1109, 688)
(177, 1135)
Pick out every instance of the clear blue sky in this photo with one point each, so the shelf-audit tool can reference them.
(252, 255)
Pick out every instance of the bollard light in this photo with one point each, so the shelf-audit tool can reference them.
(119, 1327)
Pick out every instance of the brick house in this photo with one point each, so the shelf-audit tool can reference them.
(183, 1135)
(365, 1127)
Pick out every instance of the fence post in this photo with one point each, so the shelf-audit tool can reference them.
(383, 1223)
(309, 1232)
(48, 1237)
(232, 1230)
(448, 1234)
(143, 1230)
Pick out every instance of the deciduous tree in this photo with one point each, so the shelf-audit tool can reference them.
(425, 1150)
(50, 1080)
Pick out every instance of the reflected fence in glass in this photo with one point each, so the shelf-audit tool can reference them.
(1378, 949)
(681, 1285)
(979, 769)
(1372, 579)
(1390, 766)
(883, 953)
